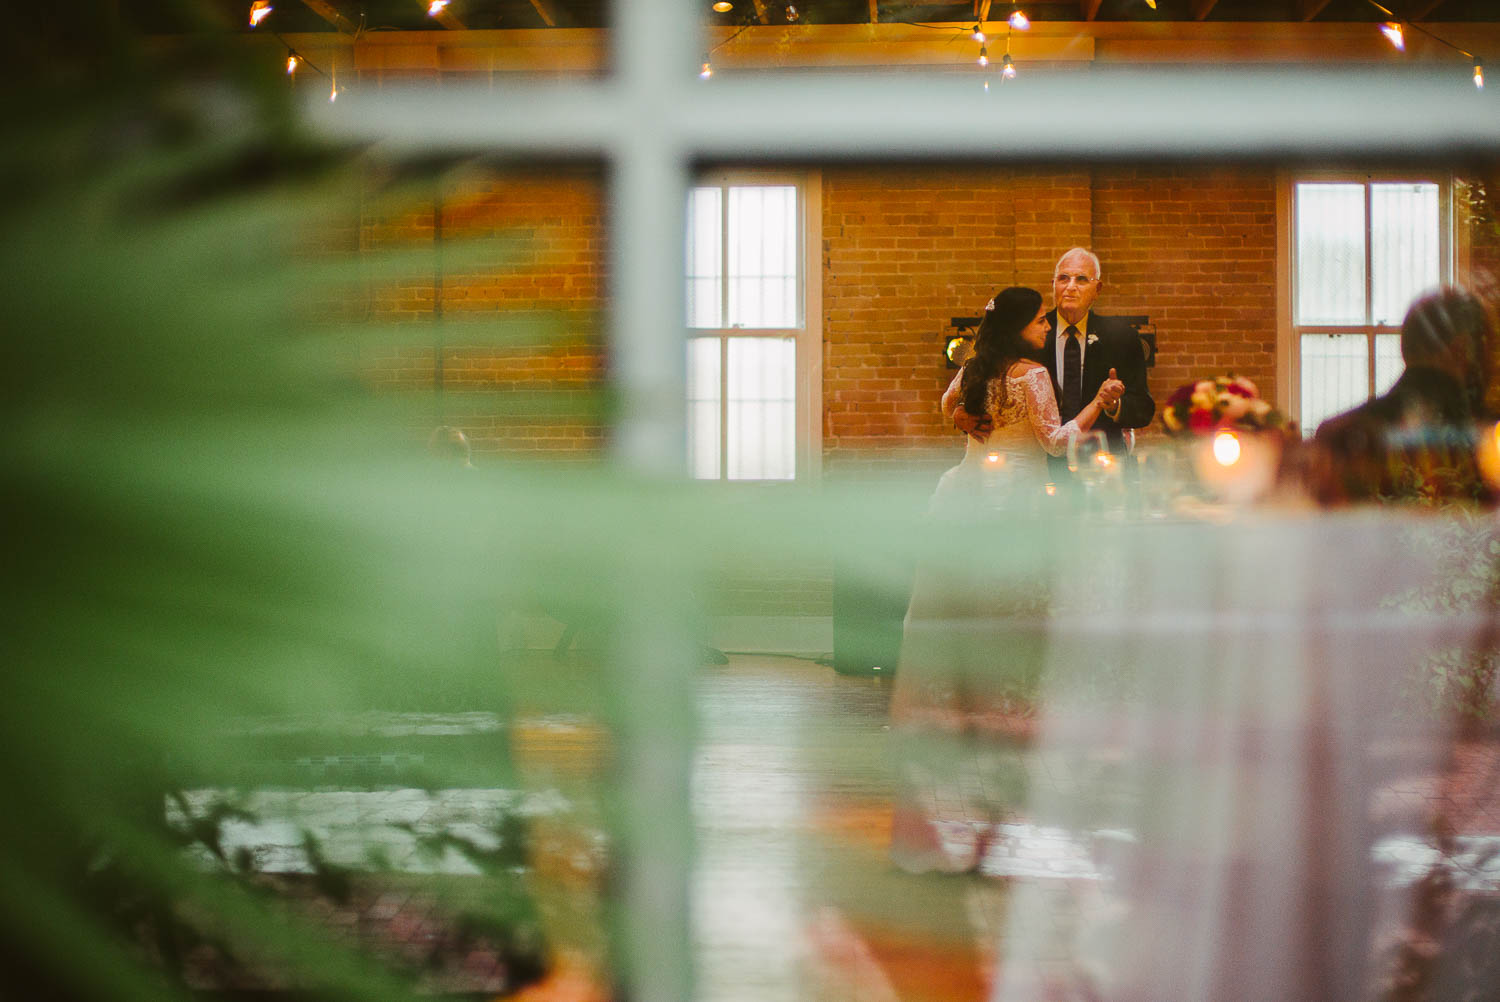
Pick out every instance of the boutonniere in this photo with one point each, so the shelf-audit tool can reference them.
(1093, 338)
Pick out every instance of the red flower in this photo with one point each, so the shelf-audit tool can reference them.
(1200, 420)
(1239, 391)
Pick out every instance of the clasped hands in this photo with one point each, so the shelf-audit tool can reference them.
(979, 426)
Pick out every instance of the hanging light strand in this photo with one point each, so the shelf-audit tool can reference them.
(707, 69)
(1395, 30)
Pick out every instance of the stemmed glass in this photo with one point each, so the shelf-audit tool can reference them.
(1090, 460)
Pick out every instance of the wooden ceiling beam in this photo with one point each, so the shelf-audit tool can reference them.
(874, 11)
(984, 11)
(331, 14)
(1201, 8)
(762, 13)
(545, 12)
(449, 20)
(1309, 9)
(1089, 9)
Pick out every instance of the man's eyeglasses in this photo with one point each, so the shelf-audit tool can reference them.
(1074, 279)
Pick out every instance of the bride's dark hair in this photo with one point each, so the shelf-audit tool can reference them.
(998, 344)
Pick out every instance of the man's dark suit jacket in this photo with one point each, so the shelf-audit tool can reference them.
(1118, 347)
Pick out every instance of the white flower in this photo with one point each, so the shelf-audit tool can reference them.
(1093, 338)
(989, 306)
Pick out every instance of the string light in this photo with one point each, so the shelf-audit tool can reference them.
(791, 13)
(259, 10)
(1151, 4)
(1018, 19)
(707, 70)
(978, 34)
(984, 56)
(291, 63)
(723, 6)
(333, 84)
(1392, 31)
(1007, 68)
(436, 7)
(1479, 76)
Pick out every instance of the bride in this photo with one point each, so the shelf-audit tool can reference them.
(1005, 382)
(971, 647)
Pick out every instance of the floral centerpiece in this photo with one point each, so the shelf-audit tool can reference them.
(1230, 401)
(1221, 423)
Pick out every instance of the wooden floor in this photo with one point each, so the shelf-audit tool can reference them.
(794, 896)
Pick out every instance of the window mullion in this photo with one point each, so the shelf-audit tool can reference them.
(1369, 291)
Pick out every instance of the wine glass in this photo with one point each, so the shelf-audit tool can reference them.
(1091, 461)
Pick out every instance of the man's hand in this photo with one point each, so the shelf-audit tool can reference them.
(977, 428)
(1110, 392)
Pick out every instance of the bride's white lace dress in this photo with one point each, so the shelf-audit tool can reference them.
(1010, 466)
(972, 647)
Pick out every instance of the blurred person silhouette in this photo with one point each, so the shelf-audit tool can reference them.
(1419, 442)
(451, 446)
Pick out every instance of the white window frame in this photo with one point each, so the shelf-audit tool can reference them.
(808, 336)
(1452, 262)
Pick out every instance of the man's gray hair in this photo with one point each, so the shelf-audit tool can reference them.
(1098, 270)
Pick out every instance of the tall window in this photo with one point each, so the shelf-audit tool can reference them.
(748, 355)
(1364, 250)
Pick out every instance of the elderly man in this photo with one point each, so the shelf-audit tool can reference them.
(1082, 351)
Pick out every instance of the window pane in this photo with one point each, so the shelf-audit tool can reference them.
(705, 246)
(1335, 376)
(1330, 254)
(763, 256)
(703, 407)
(1388, 364)
(1403, 247)
(762, 408)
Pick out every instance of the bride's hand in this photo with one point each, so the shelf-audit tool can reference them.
(1110, 391)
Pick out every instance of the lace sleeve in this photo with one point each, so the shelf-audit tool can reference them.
(1041, 409)
(952, 396)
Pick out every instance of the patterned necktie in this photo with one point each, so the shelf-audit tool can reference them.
(1072, 375)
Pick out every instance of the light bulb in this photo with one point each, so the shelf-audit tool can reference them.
(978, 34)
(1151, 4)
(723, 6)
(986, 85)
(1392, 31)
(259, 11)
(291, 63)
(333, 93)
(1479, 76)
(1019, 20)
(791, 13)
(436, 7)
(984, 56)
(1007, 68)
(1226, 448)
(707, 70)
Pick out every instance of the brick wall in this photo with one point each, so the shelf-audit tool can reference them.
(905, 249)
(501, 304)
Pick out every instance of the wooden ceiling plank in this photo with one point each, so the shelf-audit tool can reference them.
(330, 13)
(1201, 8)
(1309, 9)
(545, 12)
(1089, 8)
